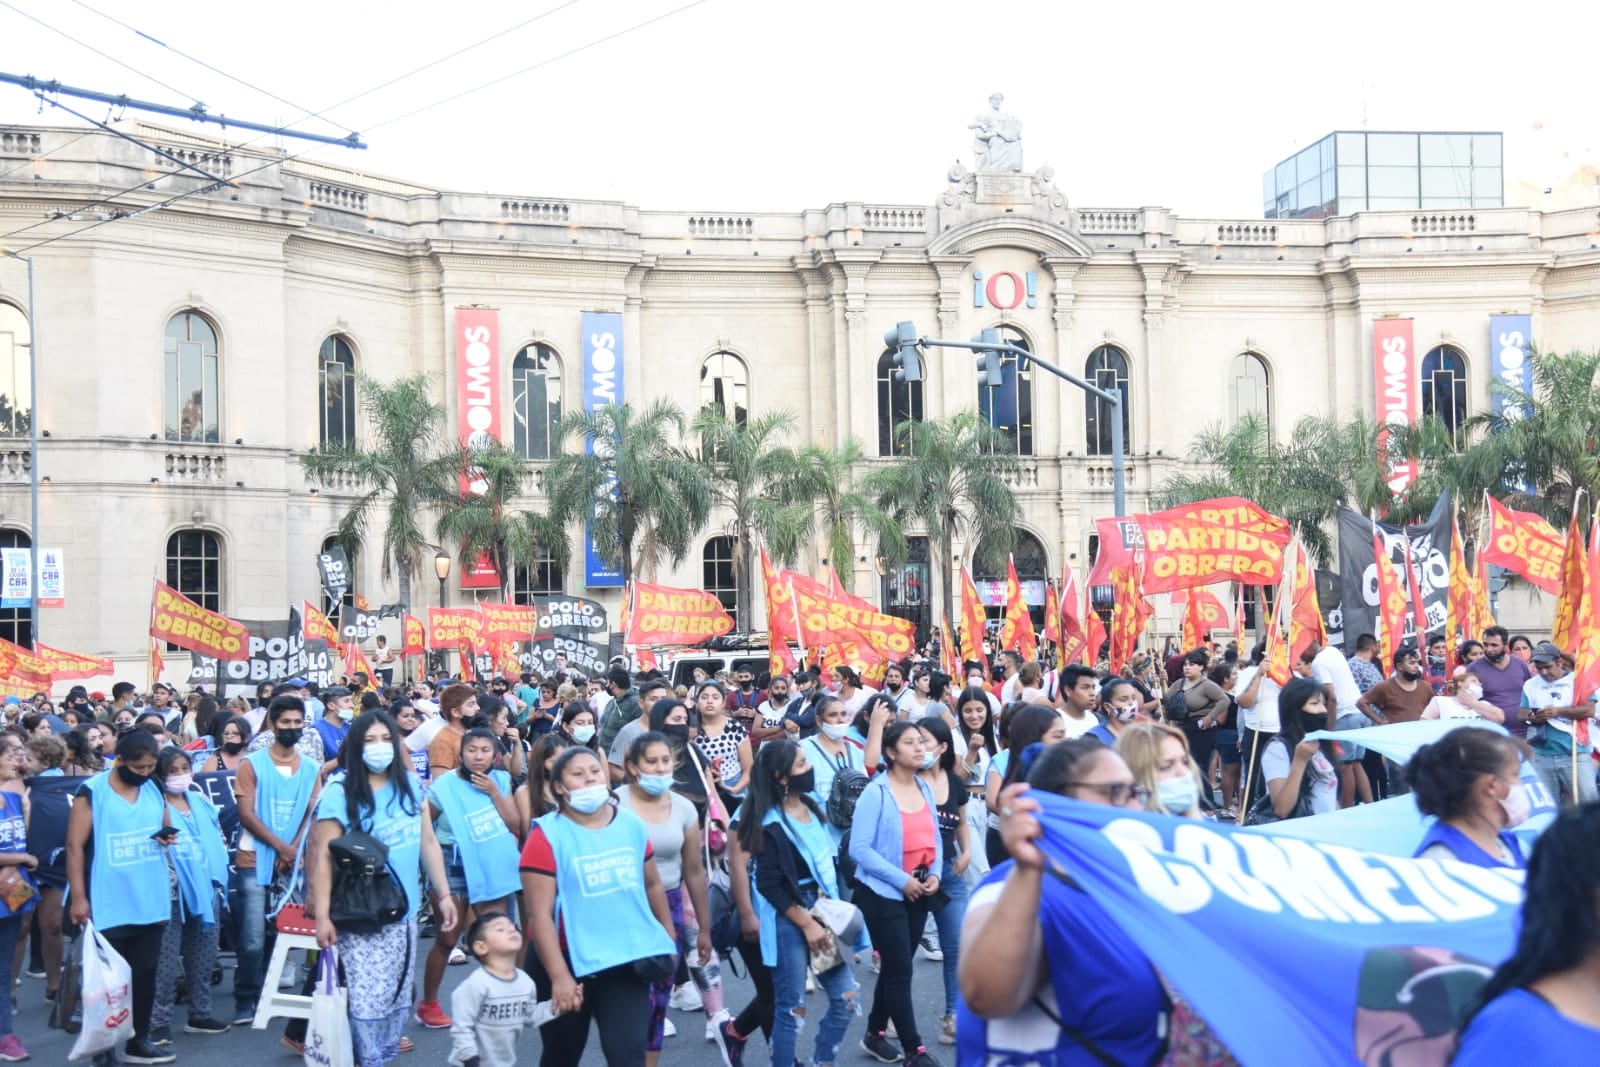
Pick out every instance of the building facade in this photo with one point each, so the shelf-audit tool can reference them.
(188, 355)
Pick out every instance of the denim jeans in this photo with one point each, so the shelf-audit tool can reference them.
(1555, 768)
(947, 920)
(789, 978)
(10, 927)
(252, 938)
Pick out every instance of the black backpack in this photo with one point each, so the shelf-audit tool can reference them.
(848, 784)
(366, 895)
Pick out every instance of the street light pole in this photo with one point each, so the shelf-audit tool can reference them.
(33, 453)
(441, 567)
(1113, 397)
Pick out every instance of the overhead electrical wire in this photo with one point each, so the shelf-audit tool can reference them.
(103, 55)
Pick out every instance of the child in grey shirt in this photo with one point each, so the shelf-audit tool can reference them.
(496, 1003)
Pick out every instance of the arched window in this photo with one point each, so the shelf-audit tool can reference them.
(1249, 389)
(544, 577)
(907, 591)
(898, 402)
(194, 567)
(190, 382)
(337, 368)
(1444, 390)
(1009, 408)
(348, 599)
(16, 624)
(1107, 367)
(1032, 568)
(535, 400)
(725, 386)
(15, 401)
(718, 576)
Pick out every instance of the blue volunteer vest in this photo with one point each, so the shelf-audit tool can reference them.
(281, 803)
(390, 823)
(199, 856)
(1466, 850)
(816, 847)
(600, 885)
(485, 845)
(128, 881)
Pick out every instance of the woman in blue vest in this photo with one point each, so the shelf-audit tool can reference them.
(1542, 1005)
(894, 841)
(274, 790)
(126, 891)
(598, 924)
(479, 829)
(199, 858)
(13, 855)
(378, 794)
(1469, 780)
(1045, 976)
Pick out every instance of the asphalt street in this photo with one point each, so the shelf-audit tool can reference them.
(260, 1048)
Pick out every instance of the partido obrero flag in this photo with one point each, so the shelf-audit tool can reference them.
(1295, 951)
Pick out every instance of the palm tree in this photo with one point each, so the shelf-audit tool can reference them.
(405, 472)
(758, 481)
(840, 505)
(639, 491)
(485, 523)
(951, 479)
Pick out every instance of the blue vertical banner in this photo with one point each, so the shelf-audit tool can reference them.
(602, 387)
(1511, 363)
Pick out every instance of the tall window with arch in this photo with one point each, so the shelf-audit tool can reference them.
(15, 385)
(1107, 367)
(190, 379)
(1444, 390)
(336, 365)
(542, 577)
(1249, 390)
(725, 387)
(898, 402)
(535, 401)
(1009, 408)
(194, 567)
(1033, 567)
(718, 575)
(16, 624)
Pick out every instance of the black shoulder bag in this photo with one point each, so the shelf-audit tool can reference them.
(366, 895)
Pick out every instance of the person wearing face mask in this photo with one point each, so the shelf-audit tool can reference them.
(230, 733)
(941, 940)
(722, 740)
(339, 709)
(200, 861)
(598, 920)
(378, 794)
(274, 790)
(829, 751)
(1462, 698)
(1469, 781)
(578, 723)
(129, 901)
(1558, 726)
(673, 828)
(1503, 676)
(1119, 707)
(476, 823)
(457, 704)
(1293, 767)
(1158, 756)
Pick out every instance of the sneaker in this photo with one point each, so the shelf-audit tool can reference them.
(930, 946)
(406, 1045)
(685, 997)
(880, 1048)
(457, 957)
(142, 1051)
(920, 1058)
(205, 1026)
(35, 972)
(161, 1036)
(432, 1016)
(11, 1050)
(732, 1044)
(668, 1029)
(811, 981)
(890, 1032)
(877, 962)
(947, 1030)
(243, 1015)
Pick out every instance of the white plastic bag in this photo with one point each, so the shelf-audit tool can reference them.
(328, 1032)
(107, 997)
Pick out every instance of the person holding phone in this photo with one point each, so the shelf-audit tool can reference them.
(123, 812)
(200, 862)
(479, 828)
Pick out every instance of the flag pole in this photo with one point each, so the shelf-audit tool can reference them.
(1255, 735)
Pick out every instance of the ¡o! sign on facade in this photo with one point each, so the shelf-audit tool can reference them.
(1005, 289)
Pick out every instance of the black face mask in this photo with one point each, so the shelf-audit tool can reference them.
(1410, 676)
(288, 738)
(129, 778)
(1311, 723)
(677, 733)
(804, 782)
(233, 748)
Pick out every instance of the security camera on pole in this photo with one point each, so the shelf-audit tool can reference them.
(988, 346)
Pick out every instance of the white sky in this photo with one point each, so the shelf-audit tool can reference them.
(752, 105)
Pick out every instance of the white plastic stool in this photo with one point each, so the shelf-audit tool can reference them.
(274, 1002)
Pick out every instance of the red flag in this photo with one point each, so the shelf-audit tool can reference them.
(973, 621)
(1017, 631)
(361, 603)
(1459, 610)
(1276, 659)
(839, 592)
(1074, 641)
(69, 665)
(1129, 611)
(414, 636)
(314, 625)
(950, 659)
(1097, 629)
(157, 665)
(1574, 583)
(783, 626)
(1391, 603)
(1587, 681)
(176, 618)
(1482, 607)
(1238, 617)
(1305, 614)
(1419, 610)
(1052, 615)
(663, 615)
(1524, 543)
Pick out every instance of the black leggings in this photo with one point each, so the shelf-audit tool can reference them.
(141, 947)
(616, 999)
(994, 847)
(895, 926)
(1202, 743)
(757, 1015)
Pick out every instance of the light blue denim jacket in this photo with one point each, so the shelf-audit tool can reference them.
(875, 839)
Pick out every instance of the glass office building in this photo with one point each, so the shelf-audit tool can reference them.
(1346, 172)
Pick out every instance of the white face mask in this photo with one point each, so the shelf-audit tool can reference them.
(582, 734)
(834, 731)
(1517, 805)
(1471, 692)
(1178, 795)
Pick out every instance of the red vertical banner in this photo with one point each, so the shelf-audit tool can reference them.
(1398, 396)
(478, 403)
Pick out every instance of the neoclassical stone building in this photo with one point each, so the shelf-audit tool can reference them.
(187, 355)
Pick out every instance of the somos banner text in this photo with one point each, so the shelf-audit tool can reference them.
(478, 403)
(1395, 378)
(602, 387)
